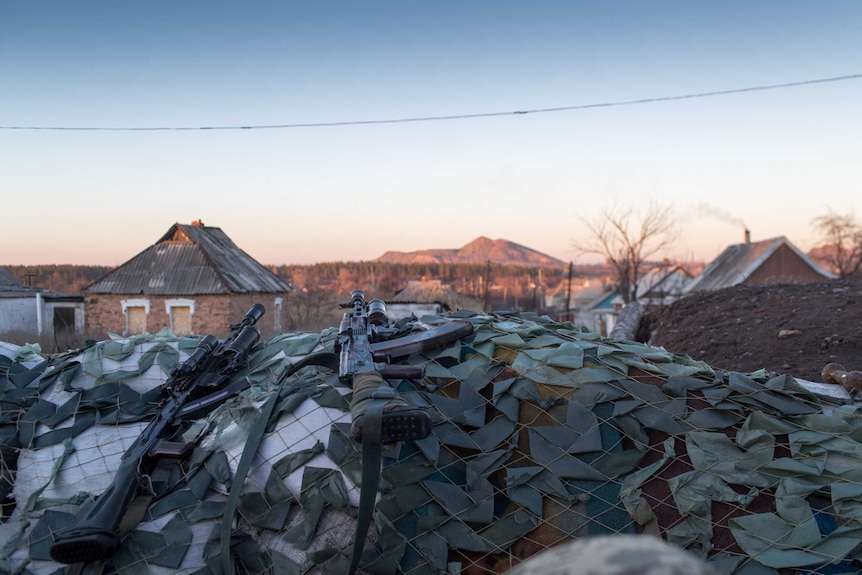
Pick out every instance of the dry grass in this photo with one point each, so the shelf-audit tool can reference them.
(50, 343)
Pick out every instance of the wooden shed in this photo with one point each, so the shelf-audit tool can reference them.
(194, 279)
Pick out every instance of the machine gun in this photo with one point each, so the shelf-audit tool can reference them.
(365, 346)
(194, 388)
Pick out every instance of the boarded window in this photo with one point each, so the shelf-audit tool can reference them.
(181, 320)
(137, 319)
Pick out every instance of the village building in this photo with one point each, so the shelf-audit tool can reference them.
(193, 280)
(39, 313)
(425, 296)
(597, 305)
(770, 261)
(663, 284)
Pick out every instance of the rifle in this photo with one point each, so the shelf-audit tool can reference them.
(194, 388)
(365, 345)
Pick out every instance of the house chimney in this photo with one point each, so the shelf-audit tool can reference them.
(198, 223)
(747, 236)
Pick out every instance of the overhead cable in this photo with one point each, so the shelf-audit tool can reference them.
(449, 117)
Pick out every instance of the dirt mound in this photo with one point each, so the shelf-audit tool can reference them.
(783, 328)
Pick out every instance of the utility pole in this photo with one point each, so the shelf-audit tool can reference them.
(569, 292)
(487, 295)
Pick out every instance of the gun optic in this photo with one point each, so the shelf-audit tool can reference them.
(237, 349)
(250, 317)
(377, 313)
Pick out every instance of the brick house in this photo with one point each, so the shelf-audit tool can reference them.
(770, 261)
(192, 280)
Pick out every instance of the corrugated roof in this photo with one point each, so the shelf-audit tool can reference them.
(7, 280)
(739, 261)
(190, 260)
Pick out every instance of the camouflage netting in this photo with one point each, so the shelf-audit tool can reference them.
(543, 433)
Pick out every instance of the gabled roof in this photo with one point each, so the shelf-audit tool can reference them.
(606, 301)
(582, 296)
(11, 288)
(190, 260)
(739, 261)
(663, 280)
(7, 280)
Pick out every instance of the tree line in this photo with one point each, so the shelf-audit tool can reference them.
(63, 278)
(317, 288)
(387, 279)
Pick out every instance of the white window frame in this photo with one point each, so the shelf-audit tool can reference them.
(178, 302)
(134, 302)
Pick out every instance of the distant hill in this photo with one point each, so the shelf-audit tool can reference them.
(479, 251)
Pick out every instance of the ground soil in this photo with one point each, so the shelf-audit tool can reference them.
(784, 328)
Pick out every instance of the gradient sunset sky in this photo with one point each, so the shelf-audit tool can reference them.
(771, 159)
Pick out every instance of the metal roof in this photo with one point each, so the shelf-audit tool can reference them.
(7, 280)
(190, 260)
(11, 288)
(739, 261)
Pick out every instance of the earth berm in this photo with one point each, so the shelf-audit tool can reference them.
(784, 328)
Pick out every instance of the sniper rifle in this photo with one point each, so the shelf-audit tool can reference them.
(198, 385)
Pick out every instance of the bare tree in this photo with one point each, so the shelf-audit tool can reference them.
(627, 238)
(313, 310)
(842, 242)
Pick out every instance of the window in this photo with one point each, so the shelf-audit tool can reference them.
(181, 320)
(136, 312)
(180, 311)
(136, 320)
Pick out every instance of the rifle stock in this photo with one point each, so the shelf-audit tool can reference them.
(99, 528)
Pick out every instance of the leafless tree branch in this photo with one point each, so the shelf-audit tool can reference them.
(627, 239)
(841, 235)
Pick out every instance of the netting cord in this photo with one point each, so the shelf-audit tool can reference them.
(253, 442)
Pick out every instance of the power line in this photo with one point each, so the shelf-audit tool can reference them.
(451, 117)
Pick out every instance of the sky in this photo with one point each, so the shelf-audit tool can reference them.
(145, 78)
